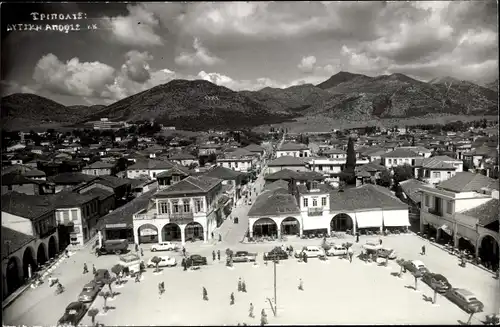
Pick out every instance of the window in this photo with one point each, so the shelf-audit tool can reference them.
(95, 172)
(66, 216)
(449, 207)
(154, 174)
(323, 201)
(448, 174)
(306, 202)
(236, 164)
(407, 160)
(198, 205)
(187, 207)
(77, 229)
(436, 174)
(163, 208)
(176, 207)
(389, 161)
(314, 185)
(74, 214)
(315, 202)
(427, 200)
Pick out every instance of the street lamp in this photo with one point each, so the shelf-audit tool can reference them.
(275, 298)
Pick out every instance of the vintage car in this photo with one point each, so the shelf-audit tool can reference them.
(163, 246)
(310, 252)
(89, 292)
(166, 261)
(436, 282)
(387, 253)
(244, 256)
(73, 314)
(196, 260)
(100, 276)
(336, 249)
(465, 299)
(372, 246)
(276, 254)
(418, 265)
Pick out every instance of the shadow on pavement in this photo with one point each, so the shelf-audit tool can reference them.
(426, 298)
(410, 287)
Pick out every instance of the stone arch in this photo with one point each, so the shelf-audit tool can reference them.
(14, 274)
(148, 233)
(341, 222)
(52, 247)
(488, 251)
(290, 226)
(193, 231)
(171, 232)
(41, 254)
(465, 244)
(265, 227)
(28, 261)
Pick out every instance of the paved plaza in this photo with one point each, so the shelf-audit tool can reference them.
(335, 292)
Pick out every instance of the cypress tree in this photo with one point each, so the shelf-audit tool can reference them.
(350, 164)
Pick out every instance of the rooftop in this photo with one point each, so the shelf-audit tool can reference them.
(411, 188)
(223, 173)
(401, 153)
(468, 182)
(191, 184)
(292, 147)
(254, 148)
(15, 178)
(101, 165)
(287, 161)
(182, 156)
(16, 241)
(149, 164)
(274, 202)
(367, 196)
(70, 178)
(487, 213)
(26, 206)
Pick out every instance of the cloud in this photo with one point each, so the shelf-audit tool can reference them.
(237, 85)
(201, 56)
(136, 67)
(306, 65)
(135, 29)
(10, 87)
(73, 77)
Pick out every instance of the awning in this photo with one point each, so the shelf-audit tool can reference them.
(264, 223)
(290, 222)
(369, 219)
(396, 218)
(148, 232)
(446, 229)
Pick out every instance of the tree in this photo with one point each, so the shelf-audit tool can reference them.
(109, 281)
(402, 173)
(156, 260)
(472, 309)
(416, 275)
(105, 296)
(92, 313)
(350, 164)
(117, 270)
(212, 157)
(325, 245)
(385, 179)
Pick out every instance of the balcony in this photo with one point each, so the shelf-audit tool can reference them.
(178, 218)
(315, 212)
(435, 212)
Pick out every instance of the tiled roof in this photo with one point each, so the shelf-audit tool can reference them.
(292, 147)
(487, 213)
(334, 151)
(182, 156)
(15, 168)
(323, 188)
(411, 188)
(254, 148)
(100, 165)
(151, 165)
(99, 192)
(439, 162)
(27, 206)
(34, 173)
(276, 185)
(416, 148)
(287, 174)
(275, 202)
(176, 170)
(373, 151)
(372, 166)
(401, 153)
(287, 161)
(238, 153)
(468, 182)
(223, 173)
(364, 197)
(14, 178)
(112, 181)
(191, 184)
(70, 178)
(69, 199)
(16, 239)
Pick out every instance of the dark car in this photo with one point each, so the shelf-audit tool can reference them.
(276, 254)
(73, 314)
(436, 282)
(89, 292)
(113, 247)
(196, 260)
(244, 256)
(100, 276)
(465, 299)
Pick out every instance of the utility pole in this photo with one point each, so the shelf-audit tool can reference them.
(275, 298)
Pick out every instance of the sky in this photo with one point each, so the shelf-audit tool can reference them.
(241, 45)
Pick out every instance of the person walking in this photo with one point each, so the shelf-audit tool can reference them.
(218, 255)
(183, 251)
(184, 264)
(85, 269)
(301, 285)
(263, 317)
(250, 311)
(142, 253)
(205, 294)
(136, 247)
(239, 285)
(213, 255)
(159, 289)
(94, 270)
(357, 237)
(423, 249)
(138, 277)
(380, 241)
(231, 299)
(243, 287)
(350, 252)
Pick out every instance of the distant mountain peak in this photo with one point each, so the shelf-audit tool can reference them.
(339, 78)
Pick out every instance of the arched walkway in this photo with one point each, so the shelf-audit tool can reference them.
(28, 261)
(341, 222)
(52, 247)
(465, 244)
(171, 232)
(265, 227)
(14, 280)
(488, 252)
(148, 233)
(290, 226)
(194, 231)
(41, 255)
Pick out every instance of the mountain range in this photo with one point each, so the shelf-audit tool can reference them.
(200, 104)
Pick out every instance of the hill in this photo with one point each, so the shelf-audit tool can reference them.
(492, 86)
(342, 77)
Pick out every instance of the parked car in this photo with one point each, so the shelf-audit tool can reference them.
(372, 246)
(89, 292)
(276, 254)
(163, 246)
(166, 261)
(387, 253)
(465, 299)
(73, 314)
(336, 250)
(436, 282)
(100, 276)
(244, 256)
(196, 260)
(418, 265)
(113, 247)
(310, 251)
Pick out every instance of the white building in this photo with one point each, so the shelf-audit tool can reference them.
(149, 168)
(434, 170)
(239, 160)
(293, 150)
(400, 157)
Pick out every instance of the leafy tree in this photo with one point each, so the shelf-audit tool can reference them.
(156, 260)
(92, 313)
(350, 164)
(109, 282)
(105, 296)
(117, 269)
(385, 179)
(132, 143)
(416, 275)
(402, 173)
(212, 157)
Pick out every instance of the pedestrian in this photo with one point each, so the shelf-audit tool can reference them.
(304, 257)
(239, 285)
(380, 241)
(138, 277)
(218, 254)
(357, 237)
(159, 288)
(183, 251)
(263, 317)
(301, 285)
(231, 299)
(142, 253)
(85, 269)
(94, 270)
(423, 249)
(213, 255)
(243, 287)
(250, 311)
(136, 247)
(205, 294)
(184, 264)
(350, 252)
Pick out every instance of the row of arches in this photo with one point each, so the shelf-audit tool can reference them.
(18, 268)
(171, 232)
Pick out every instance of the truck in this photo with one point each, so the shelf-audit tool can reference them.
(113, 246)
